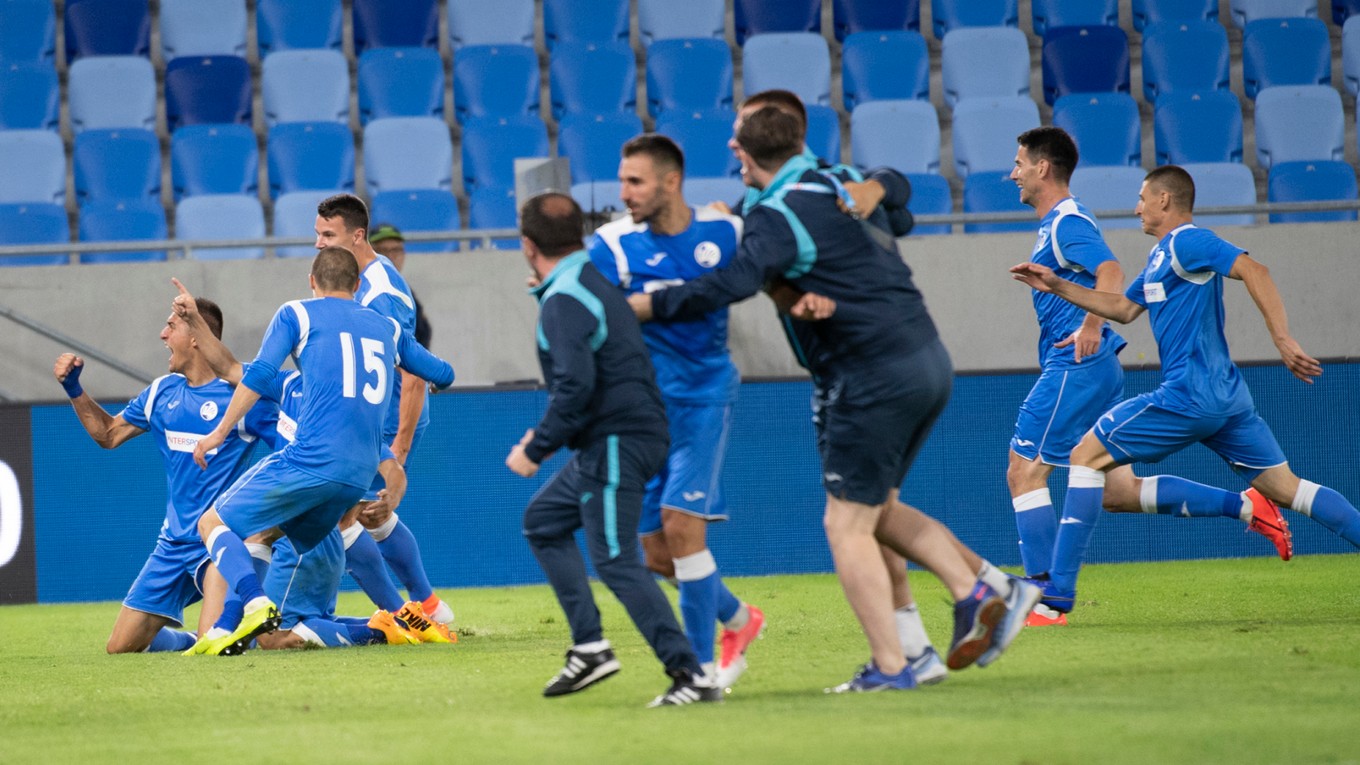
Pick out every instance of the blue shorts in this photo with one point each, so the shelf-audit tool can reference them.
(304, 586)
(378, 483)
(1063, 405)
(274, 493)
(691, 479)
(1143, 430)
(170, 580)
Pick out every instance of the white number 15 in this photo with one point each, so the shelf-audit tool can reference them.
(373, 351)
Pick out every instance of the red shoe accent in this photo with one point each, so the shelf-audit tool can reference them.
(735, 642)
(1269, 522)
(1039, 618)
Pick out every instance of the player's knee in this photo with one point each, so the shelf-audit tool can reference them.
(660, 565)
(117, 645)
(207, 523)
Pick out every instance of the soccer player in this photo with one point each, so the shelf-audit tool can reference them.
(603, 403)
(388, 242)
(881, 377)
(1202, 398)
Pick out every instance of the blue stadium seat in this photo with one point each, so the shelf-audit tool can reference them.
(35, 223)
(598, 197)
(111, 92)
(824, 132)
(851, 16)
(402, 153)
(202, 28)
(28, 31)
(495, 81)
(1109, 188)
(984, 62)
(702, 191)
(669, 20)
(293, 24)
(491, 145)
(1220, 184)
(985, 131)
(1311, 182)
(1147, 12)
(305, 156)
(400, 82)
(207, 89)
(494, 208)
(1050, 14)
(295, 218)
(948, 15)
(688, 74)
(795, 61)
(1299, 123)
(702, 136)
(1090, 59)
(586, 78)
(1285, 52)
(1106, 127)
(1246, 11)
(29, 96)
(214, 159)
(1197, 127)
(993, 191)
(117, 165)
(221, 217)
(930, 195)
(419, 210)
(395, 24)
(884, 65)
(477, 22)
(599, 22)
(592, 144)
(759, 17)
(903, 135)
(305, 86)
(107, 28)
(32, 166)
(1350, 55)
(1342, 10)
(123, 221)
(1184, 56)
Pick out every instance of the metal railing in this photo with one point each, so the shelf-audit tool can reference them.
(82, 348)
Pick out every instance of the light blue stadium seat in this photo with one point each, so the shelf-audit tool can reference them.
(1048, 14)
(1350, 54)
(1197, 127)
(1299, 123)
(702, 191)
(689, 74)
(1285, 52)
(112, 92)
(1184, 56)
(293, 24)
(1090, 59)
(202, 28)
(1147, 12)
(1220, 184)
(123, 221)
(310, 155)
(33, 223)
(221, 217)
(107, 28)
(418, 210)
(400, 82)
(1311, 182)
(948, 15)
(903, 135)
(1246, 11)
(824, 132)
(796, 61)
(1106, 127)
(759, 17)
(28, 31)
(295, 217)
(32, 166)
(669, 20)
(214, 159)
(121, 164)
(889, 65)
(589, 78)
(592, 144)
(598, 198)
(395, 23)
(993, 191)
(599, 22)
(494, 208)
(491, 145)
(207, 90)
(851, 16)
(478, 22)
(495, 81)
(702, 136)
(984, 62)
(29, 96)
(930, 195)
(402, 153)
(985, 131)
(1109, 188)
(305, 86)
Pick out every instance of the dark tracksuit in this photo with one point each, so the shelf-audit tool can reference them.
(603, 404)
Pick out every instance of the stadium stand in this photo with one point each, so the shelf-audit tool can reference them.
(1048, 14)
(418, 210)
(107, 28)
(208, 89)
(592, 142)
(495, 81)
(28, 31)
(202, 28)
(1246, 11)
(884, 65)
(1285, 52)
(1184, 56)
(494, 208)
(29, 96)
(688, 74)
(402, 153)
(876, 136)
(1147, 12)
(1350, 55)
(221, 217)
(111, 92)
(214, 159)
(824, 132)
(32, 167)
(758, 17)
(851, 16)
(985, 131)
(590, 22)
(1106, 127)
(597, 197)
(984, 62)
(1197, 127)
(948, 15)
(305, 86)
(668, 20)
(1342, 10)
(701, 191)
(295, 216)
(1085, 59)
(477, 22)
(795, 61)
(491, 144)
(122, 164)
(1311, 182)
(930, 195)
(592, 78)
(1299, 123)
(400, 82)
(1220, 184)
(702, 136)
(991, 191)
(126, 220)
(395, 23)
(308, 156)
(33, 223)
(1109, 188)
(293, 24)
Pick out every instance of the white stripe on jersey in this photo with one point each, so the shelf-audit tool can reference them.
(396, 340)
(708, 213)
(379, 284)
(1201, 277)
(611, 233)
(304, 324)
(1065, 208)
(151, 398)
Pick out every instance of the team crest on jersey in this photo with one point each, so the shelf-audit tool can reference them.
(707, 254)
(1043, 239)
(1157, 258)
(208, 411)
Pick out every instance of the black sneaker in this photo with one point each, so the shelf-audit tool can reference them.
(582, 671)
(686, 688)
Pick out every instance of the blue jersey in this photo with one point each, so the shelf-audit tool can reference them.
(1070, 243)
(179, 415)
(692, 363)
(382, 289)
(1182, 290)
(286, 390)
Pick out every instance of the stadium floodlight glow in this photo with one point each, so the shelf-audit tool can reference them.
(11, 515)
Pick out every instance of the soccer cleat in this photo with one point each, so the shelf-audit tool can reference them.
(1058, 600)
(1043, 616)
(686, 688)
(870, 678)
(442, 614)
(974, 619)
(1021, 600)
(393, 630)
(1267, 521)
(582, 671)
(734, 643)
(429, 631)
(928, 668)
(253, 624)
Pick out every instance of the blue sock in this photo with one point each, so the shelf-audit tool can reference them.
(728, 604)
(1038, 528)
(365, 563)
(1085, 490)
(339, 634)
(234, 563)
(699, 581)
(232, 611)
(1330, 509)
(1170, 495)
(169, 639)
(402, 553)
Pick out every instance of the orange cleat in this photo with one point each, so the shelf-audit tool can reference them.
(1269, 522)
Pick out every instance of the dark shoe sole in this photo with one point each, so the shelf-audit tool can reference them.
(968, 651)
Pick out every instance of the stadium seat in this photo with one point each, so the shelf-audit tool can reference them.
(884, 65)
(29, 96)
(35, 223)
(1285, 52)
(1106, 127)
(702, 136)
(1342, 10)
(930, 195)
(1089, 59)
(1246, 11)
(214, 159)
(111, 92)
(495, 81)
(1197, 127)
(984, 62)
(1184, 56)
(985, 131)
(295, 218)
(306, 156)
(494, 208)
(298, 24)
(824, 132)
(1110, 188)
(668, 20)
(491, 145)
(395, 24)
(592, 143)
(1299, 123)
(1311, 182)
(597, 22)
(686, 75)
(948, 15)
(1220, 184)
(759, 17)
(122, 164)
(1350, 55)
(851, 16)
(477, 22)
(589, 78)
(220, 217)
(1147, 12)
(123, 221)
(28, 32)
(305, 86)
(207, 89)
(903, 135)
(992, 192)
(202, 28)
(32, 166)
(1050, 14)
(795, 61)
(400, 82)
(598, 197)
(702, 191)
(402, 153)
(419, 210)
(107, 28)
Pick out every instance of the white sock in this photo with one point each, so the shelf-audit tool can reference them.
(911, 632)
(995, 578)
(384, 531)
(591, 647)
(739, 619)
(256, 603)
